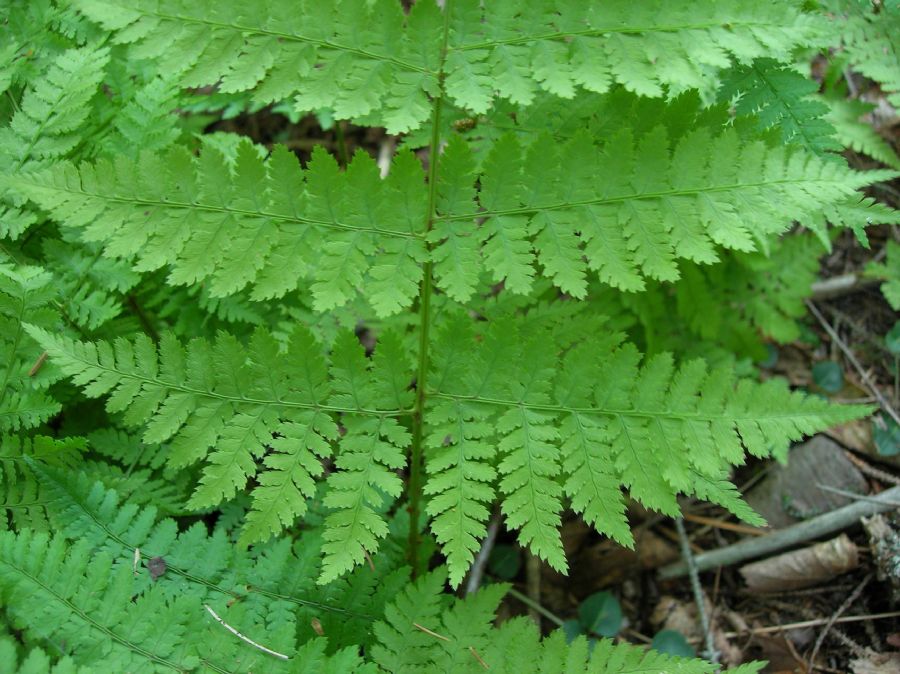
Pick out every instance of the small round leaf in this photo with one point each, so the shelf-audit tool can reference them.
(671, 642)
(887, 438)
(828, 376)
(572, 630)
(601, 614)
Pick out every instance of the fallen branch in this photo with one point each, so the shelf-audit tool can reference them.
(711, 654)
(477, 570)
(841, 285)
(823, 525)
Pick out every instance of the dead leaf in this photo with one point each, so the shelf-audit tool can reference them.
(806, 567)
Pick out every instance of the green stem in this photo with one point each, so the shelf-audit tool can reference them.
(416, 477)
(343, 157)
(531, 603)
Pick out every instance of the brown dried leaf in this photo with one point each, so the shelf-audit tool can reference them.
(806, 567)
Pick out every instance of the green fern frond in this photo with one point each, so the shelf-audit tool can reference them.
(889, 271)
(24, 499)
(35, 662)
(211, 566)
(628, 211)
(91, 287)
(268, 224)
(783, 98)
(584, 427)
(103, 615)
(326, 55)
(259, 402)
(764, 296)
(424, 630)
(870, 38)
(25, 294)
(47, 123)
(857, 135)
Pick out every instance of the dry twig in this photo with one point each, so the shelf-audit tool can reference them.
(241, 636)
(837, 614)
(477, 570)
(823, 525)
(711, 653)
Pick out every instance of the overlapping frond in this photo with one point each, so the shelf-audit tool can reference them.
(627, 210)
(104, 614)
(870, 35)
(516, 421)
(47, 122)
(26, 294)
(763, 296)
(783, 98)
(425, 630)
(262, 411)
(24, 499)
(266, 224)
(845, 115)
(277, 577)
(889, 271)
(326, 54)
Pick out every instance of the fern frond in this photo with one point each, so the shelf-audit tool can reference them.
(24, 499)
(35, 662)
(265, 223)
(857, 135)
(871, 41)
(91, 286)
(260, 402)
(628, 210)
(781, 97)
(47, 123)
(326, 55)
(889, 270)
(763, 295)
(25, 295)
(105, 617)
(209, 565)
(145, 120)
(592, 422)
(424, 630)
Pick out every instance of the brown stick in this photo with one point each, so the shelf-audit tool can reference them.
(823, 525)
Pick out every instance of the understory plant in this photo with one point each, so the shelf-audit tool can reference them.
(258, 406)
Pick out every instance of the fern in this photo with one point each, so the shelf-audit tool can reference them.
(781, 97)
(243, 403)
(318, 372)
(457, 637)
(890, 272)
(870, 40)
(386, 75)
(24, 292)
(637, 227)
(857, 135)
